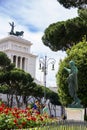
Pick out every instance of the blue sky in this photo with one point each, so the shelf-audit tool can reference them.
(33, 17)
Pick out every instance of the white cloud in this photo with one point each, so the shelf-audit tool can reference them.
(39, 13)
(45, 12)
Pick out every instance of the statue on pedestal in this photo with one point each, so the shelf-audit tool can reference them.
(73, 84)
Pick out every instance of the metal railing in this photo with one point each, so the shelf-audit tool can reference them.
(63, 125)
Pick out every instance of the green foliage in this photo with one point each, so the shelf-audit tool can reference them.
(5, 62)
(19, 81)
(85, 118)
(58, 36)
(78, 53)
(83, 15)
(62, 84)
(52, 96)
(38, 91)
(3, 89)
(52, 36)
(73, 3)
(54, 99)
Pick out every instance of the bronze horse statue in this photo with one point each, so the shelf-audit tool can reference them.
(17, 33)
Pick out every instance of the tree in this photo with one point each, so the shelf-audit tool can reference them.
(52, 96)
(83, 15)
(5, 67)
(73, 3)
(58, 36)
(5, 62)
(78, 53)
(20, 84)
(38, 92)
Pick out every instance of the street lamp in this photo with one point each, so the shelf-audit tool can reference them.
(43, 65)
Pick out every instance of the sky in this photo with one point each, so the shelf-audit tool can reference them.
(33, 17)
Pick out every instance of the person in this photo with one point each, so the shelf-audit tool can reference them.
(36, 106)
(45, 109)
(72, 81)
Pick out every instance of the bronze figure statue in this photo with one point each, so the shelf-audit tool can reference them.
(12, 27)
(73, 83)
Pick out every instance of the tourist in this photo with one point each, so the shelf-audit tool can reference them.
(45, 109)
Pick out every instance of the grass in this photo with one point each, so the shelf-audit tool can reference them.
(64, 127)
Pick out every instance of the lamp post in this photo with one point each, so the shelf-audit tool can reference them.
(43, 65)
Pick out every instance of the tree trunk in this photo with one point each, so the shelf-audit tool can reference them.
(49, 108)
(54, 108)
(17, 100)
(8, 100)
(25, 100)
(11, 100)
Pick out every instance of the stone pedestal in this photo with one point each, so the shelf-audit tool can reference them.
(76, 114)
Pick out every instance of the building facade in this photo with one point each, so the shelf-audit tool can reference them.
(19, 51)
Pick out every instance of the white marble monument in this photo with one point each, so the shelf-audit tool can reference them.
(18, 50)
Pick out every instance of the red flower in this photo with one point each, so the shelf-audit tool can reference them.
(37, 112)
(28, 114)
(28, 118)
(23, 123)
(33, 118)
(6, 111)
(3, 105)
(1, 109)
(20, 127)
(17, 116)
(15, 121)
(15, 109)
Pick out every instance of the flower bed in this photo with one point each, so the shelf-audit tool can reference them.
(14, 118)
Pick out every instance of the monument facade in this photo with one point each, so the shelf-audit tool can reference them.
(19, 51)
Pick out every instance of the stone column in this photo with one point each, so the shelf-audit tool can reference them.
(23, 65)
(26, 64)
(11, 58)
(16, 61)
(20, 62)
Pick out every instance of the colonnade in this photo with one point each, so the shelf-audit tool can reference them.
(20, 62)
